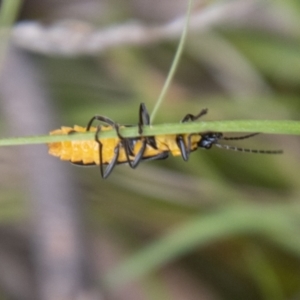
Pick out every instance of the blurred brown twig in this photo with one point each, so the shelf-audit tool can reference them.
(80, 38)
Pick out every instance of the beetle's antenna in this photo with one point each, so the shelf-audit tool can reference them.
(243, 137)
(234, 148)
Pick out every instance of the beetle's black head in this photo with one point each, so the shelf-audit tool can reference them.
(209, 138)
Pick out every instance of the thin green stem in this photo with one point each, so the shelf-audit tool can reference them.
(8, 14)
(174, 63)
(274, 127)
(9, 11)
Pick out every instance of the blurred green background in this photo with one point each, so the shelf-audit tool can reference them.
(224, 225)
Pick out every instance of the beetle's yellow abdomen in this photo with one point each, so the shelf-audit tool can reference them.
(85, 152)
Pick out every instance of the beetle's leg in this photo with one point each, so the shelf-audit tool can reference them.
(106, 172)
(144, 119)
(101, 119)
(190, 117)
(128, 145)
(184, 150)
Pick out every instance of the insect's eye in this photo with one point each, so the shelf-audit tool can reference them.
(208, 139)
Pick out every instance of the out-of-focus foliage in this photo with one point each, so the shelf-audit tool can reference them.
(224, 225)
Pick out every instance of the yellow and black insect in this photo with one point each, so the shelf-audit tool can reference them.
(118, 150)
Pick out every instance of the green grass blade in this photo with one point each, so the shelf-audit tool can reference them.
(274, 127)
(8, 12)
(174, 63)
(270, 221)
